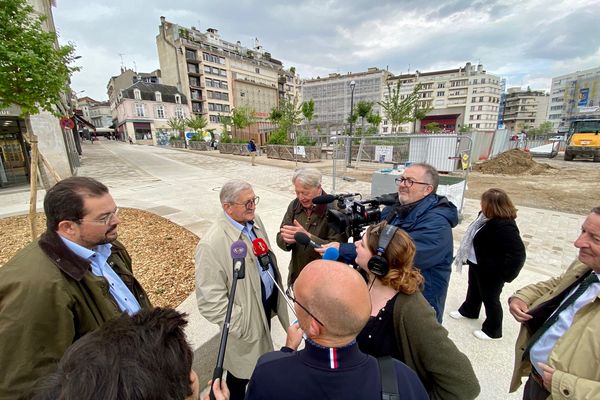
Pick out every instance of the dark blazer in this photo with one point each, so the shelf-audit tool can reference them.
(499, 248)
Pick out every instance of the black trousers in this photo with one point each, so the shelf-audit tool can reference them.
(237, 386)
(534, 388)
(484, 288)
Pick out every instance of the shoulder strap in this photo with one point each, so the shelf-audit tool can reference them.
(389, 380)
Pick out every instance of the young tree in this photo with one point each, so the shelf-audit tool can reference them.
(308, 111)
(178, 125)
(34, 69)
(375, 121)
(363, 109)
(196, 123)
(398, 110)
(243, 117)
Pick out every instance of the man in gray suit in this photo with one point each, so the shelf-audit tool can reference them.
(256, 299)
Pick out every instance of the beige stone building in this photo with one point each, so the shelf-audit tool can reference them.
(216, 75)
(525, 109)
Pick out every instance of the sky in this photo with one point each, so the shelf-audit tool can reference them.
(528, 42)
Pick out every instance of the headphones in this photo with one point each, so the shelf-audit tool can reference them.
(378, 265)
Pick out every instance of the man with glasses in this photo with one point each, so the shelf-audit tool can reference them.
(428, 219)
(333, 305)
(67, 283)
(256, 299)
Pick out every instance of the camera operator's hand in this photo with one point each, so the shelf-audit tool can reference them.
(294, 336)
(288, 232)
(324, 247)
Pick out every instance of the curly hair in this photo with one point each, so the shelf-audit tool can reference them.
(400, 253)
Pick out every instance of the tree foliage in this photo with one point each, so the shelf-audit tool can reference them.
(397, 110)
(545, 129)
(34, 69)
(178, 125)
(308, 110)
(196, 123)
(243, 116)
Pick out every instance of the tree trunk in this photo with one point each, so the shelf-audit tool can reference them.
(33, 184)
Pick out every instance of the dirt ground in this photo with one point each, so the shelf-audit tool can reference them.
(552, 184)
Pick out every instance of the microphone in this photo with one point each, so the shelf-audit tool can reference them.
(331, 254)
(387, 199)
(261, 251)
(330, 198)
(238, 252)
(303, 238)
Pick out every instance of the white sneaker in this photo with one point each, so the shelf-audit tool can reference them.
(456, 315)
(482, 336)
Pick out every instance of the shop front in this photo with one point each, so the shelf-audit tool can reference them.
(14, 160)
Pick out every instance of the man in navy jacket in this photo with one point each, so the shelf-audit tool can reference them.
(428, 219)
(333, 305)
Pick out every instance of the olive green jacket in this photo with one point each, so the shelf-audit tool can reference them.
(444, 370)
(48, 299)
(576, 355)
(319, 231)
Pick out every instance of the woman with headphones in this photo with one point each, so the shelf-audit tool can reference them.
(403, 324)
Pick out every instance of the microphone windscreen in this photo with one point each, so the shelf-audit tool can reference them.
(331, 254)
(324, 199)
(259, 247)
(301, 238)
(238, 250)
(387, 199)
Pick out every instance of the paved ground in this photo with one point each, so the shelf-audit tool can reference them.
(183, 186)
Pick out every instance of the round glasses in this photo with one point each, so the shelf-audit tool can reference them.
(408, 182)
(248, 204)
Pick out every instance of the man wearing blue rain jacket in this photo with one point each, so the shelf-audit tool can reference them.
(428, 219)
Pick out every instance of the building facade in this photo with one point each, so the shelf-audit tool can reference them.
(216, 75)
(467, 96)
(143, 109)
(574, 95)
(98, 113)
(525, 109)
(333, 95)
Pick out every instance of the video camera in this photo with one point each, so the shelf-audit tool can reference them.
(351, 215)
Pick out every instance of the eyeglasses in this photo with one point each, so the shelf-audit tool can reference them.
(249, 203)
(408, 182)
(104, 220)
(290, 295)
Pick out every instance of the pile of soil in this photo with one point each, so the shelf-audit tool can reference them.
(512, 162)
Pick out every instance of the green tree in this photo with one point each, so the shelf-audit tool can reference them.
(433, 127)
(363, 109)
(375, 120)
(197, 123)
(398, 110)
(308, 110)
(178, 125)
(545, 129)
(243, 117)
(34, 69)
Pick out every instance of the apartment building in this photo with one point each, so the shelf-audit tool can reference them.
(217, 75)
(466, 96)
(143, 110)
(524, 109)
(98, 113)
(125, 79)
(574, 95)
(333, 95)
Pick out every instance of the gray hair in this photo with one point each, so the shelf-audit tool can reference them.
(310, 177)
(432, 175)
(596, 210)
(231, 190)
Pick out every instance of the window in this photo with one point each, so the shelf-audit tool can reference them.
(139, 110)
(158, 96)
(441, 85)
(177, 99)
(214, 118)
(190, 54)
(440, 93)
(218, 107)
(257, 70)
(179, 113)
(385, 129)
(194, 81)
(160, 112)
(137, 94)
(197, 107)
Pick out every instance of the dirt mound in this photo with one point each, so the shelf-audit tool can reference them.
(512, 162)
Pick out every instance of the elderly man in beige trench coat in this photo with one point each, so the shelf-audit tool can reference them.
(256, 299)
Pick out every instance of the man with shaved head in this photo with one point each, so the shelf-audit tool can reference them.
(332, 303)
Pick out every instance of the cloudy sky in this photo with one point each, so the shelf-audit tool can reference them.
(525, 41)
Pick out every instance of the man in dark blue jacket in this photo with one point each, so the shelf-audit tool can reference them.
(428, 219)
(333, 305)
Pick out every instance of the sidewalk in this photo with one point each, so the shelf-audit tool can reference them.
(183, 186)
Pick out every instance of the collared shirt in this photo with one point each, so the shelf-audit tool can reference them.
(249, 233)
(125, 300)
(540, 351)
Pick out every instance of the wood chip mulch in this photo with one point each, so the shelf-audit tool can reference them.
(162, 252)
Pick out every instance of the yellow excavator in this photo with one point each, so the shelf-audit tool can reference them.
(583, 139)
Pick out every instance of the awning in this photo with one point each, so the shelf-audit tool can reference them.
(83, 121)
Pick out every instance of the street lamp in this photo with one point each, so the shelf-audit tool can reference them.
(349, 139)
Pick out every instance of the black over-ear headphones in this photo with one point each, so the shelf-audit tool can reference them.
(378, 265)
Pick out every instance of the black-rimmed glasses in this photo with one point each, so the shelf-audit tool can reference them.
(103, 220)
(289, 293)
(408, 182)
(248, 204)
